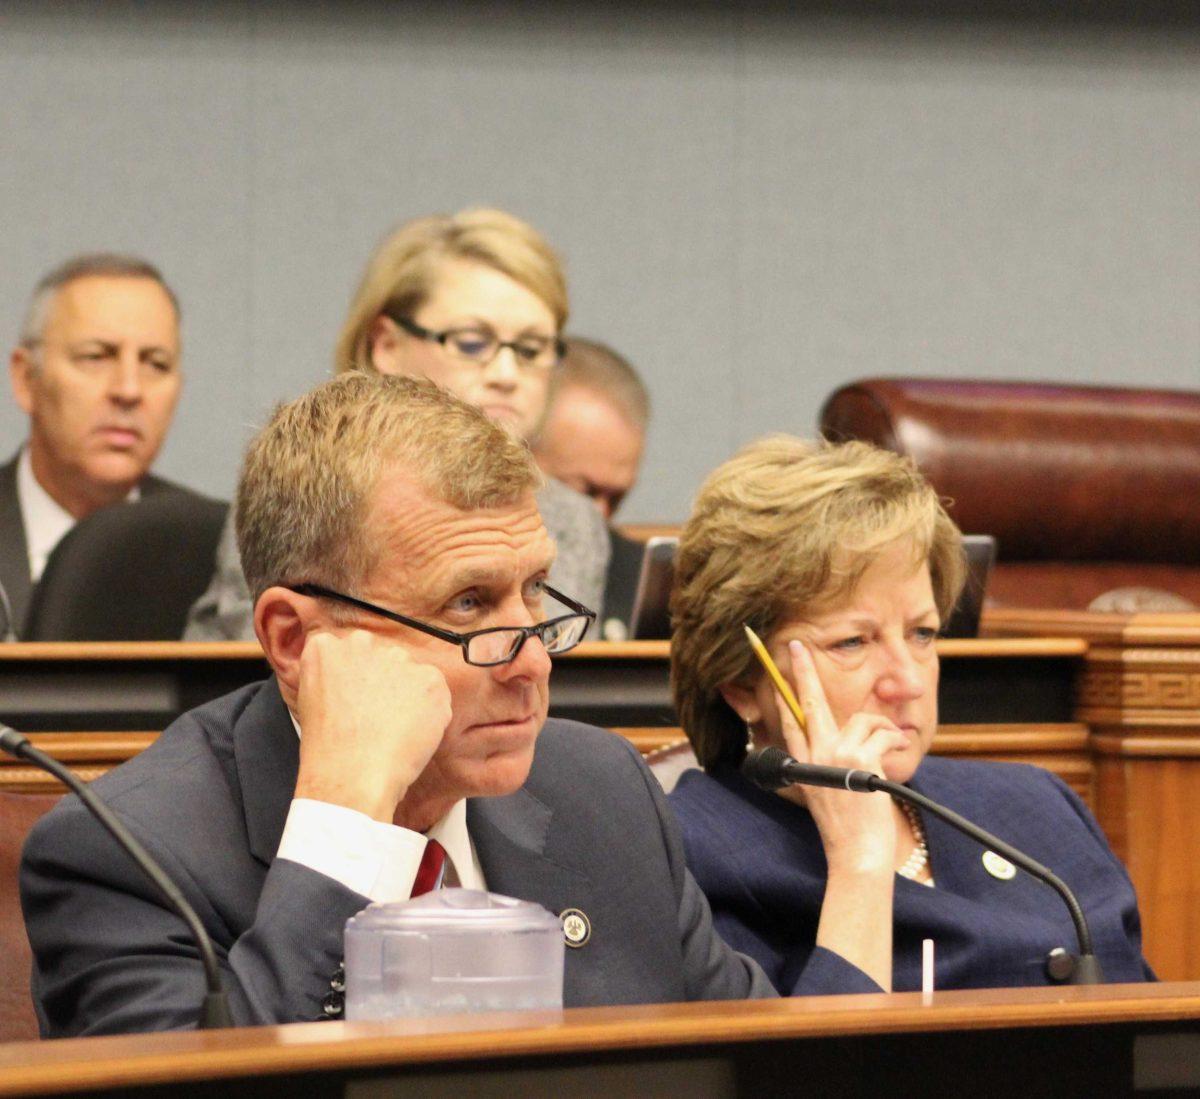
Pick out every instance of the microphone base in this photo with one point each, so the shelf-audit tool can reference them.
(1086, 971)
(214, 1013)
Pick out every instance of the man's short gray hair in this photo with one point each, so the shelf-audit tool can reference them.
(309, 478)
(596, 366)
(113, 265)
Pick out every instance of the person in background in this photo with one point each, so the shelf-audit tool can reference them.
(475, 302)
(845, 563)
(592, 440)
(96, 369)
(594, 432)
(392, 540)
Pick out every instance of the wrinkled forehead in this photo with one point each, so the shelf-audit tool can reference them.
(424, 542)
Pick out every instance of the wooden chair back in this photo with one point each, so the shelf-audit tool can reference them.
(18, 814)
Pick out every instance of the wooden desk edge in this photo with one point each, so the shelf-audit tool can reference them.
(150, 651)
(92, 1063)
(1181, 628)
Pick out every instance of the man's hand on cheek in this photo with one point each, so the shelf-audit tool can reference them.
(370, 719)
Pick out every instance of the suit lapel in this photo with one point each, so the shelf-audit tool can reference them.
(155, 486)
(267, 754)
(957, 860)
(14, 549)
(523, 853)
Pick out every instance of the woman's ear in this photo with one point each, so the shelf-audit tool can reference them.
(743, 701)
(384, 345)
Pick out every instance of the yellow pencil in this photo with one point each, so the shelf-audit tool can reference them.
(781, 684)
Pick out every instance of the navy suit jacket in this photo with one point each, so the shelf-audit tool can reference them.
(590, 829)
(759, 859)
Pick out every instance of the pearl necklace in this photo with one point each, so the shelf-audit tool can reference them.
(919, 859)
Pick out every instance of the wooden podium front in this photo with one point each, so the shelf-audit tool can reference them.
(1113, 1040)
(1138, 694)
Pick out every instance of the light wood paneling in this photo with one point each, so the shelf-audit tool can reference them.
(89, 755)
(1138, 691)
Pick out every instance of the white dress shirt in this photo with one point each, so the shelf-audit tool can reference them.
(45, 520)
(378, 860)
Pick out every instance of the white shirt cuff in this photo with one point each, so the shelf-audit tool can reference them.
(378, 860)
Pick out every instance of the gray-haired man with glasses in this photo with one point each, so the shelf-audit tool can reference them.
(390, 537)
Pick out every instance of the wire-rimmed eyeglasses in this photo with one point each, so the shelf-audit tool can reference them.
(488, 647)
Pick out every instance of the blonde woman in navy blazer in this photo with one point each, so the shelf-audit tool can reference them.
(844, 561)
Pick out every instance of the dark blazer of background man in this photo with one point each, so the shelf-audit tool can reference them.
(96, 369)
(284, 808)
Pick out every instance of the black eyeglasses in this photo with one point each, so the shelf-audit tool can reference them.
(483, 648)
(481, 345)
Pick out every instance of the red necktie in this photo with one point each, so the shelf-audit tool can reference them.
(429, 873)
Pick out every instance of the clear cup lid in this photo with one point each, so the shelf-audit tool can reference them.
(455, 909)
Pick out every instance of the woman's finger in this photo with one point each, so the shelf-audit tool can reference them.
(862, 726)
(883, 740)
(822, 729)
(794, 737)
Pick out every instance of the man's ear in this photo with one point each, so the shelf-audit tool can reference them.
(282, 621)
(384, 345)
(743, 700)
(20, 372)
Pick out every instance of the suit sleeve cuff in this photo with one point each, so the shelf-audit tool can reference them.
(371, 858)
(826, 973)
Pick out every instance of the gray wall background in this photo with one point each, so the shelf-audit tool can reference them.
(755, 204)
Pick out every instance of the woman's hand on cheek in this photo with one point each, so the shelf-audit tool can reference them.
(860, 743)
(858, 830)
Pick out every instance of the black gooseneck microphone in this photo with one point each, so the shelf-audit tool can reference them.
(772, 768)
(214, 1011)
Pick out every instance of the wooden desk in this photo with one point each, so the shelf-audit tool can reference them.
(1138, 691)
(999, 1042)
(1003, 699)
(84, 686)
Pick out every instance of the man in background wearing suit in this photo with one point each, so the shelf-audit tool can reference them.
(390, 537)
(96, 369)
(592, 440)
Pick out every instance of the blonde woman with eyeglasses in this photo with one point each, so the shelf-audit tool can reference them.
(475, 302)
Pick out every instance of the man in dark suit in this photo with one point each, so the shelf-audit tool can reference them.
(592, 440)
(390, 536)
(96, 369)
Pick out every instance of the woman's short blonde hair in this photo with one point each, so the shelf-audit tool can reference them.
(400, 274)
(303, 510)
(784, 529)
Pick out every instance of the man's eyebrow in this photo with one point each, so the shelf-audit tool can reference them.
(92, 341)
(470, 577)
(481, 575)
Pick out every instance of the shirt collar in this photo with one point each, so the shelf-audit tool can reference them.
(45, 520)
(451, 832)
